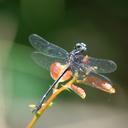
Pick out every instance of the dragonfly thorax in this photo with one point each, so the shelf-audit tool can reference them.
(75, 60)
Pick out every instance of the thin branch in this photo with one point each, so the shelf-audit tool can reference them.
(49, 100)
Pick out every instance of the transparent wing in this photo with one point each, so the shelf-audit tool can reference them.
(102, 65)
(47, 48)
(45, 61)
(99, 77)
(100, 82)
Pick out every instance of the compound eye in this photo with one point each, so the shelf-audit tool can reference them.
(78, 46)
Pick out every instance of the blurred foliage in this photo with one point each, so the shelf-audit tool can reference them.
(102, 25)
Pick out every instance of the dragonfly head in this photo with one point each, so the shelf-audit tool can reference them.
(81, 47)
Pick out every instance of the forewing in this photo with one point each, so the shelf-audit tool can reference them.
(102, 65)
(47, 48)
(45, 61)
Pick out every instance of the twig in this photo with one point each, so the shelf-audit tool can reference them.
(49, 100)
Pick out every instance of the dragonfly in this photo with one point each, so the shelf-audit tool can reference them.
(89, 70)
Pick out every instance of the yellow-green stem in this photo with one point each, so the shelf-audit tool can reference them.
(49, 100)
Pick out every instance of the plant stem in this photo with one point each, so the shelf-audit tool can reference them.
(49, 100)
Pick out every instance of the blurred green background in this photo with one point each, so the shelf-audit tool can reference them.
(102, 25)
